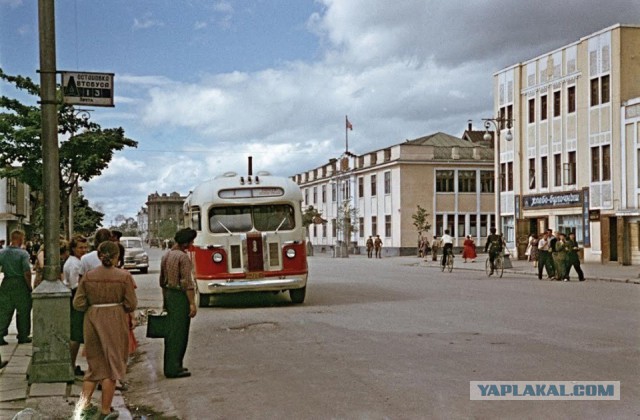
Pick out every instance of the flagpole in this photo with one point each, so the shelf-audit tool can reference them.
(346, 133)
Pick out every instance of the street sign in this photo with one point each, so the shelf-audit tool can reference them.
(83, 88)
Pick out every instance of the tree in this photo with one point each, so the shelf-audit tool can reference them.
(82, 156)
(420, 221)
(167, 229)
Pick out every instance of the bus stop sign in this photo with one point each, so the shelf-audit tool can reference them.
(82, 88)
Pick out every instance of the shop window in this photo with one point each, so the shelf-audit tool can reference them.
(571, 223)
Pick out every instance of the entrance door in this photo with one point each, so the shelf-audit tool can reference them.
(613, 239)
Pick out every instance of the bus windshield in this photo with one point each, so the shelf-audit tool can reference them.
(239, 219)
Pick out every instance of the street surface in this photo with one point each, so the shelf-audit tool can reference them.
(391, 338)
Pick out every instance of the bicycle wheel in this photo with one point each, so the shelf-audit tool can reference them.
(487, 267)
(450, 262)
(499, 263)
(442, 263)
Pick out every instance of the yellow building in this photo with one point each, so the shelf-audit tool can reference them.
(451, 178)
(573, 164)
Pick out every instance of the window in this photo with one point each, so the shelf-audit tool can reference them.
(461, 227)
(532, 174)
(334, 193)
(509, 176)
(557, 109)
(373, 186)
(266, 217)
(485, 221)
(595, 164)
(374, 158)
(567, 224)
(543, 107)
(315, 195)
(387, 155)
(466, 181)
(503, 178)
(334, 228)
(439, 229)
(444, 181)
(361, 227)
(346, 190)
(324, 230)
(544, 172)
(570, 173)
(324, 193)
(12, 191)
(557, 170)
(473, 225)
(306, 196)
(509, 115)
(387, 226)
(532, 110)
(606, 163)
(571, 99)
(638, 163)
(374, 225)
(360, 161)
(387, 182)
(594, 92)
(486, 182)
(360, 187)
(604, 89)
(196, 222)
(315, 230)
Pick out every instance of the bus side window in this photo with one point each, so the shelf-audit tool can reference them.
(195, 218)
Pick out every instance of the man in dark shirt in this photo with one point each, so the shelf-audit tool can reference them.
(494, 247)
(179, 300)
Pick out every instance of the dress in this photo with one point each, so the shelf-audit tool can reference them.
(469, 251)
(107, 295)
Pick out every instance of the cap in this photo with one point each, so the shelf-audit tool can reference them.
(186, 235)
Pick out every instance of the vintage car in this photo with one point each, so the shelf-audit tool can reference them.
(135, 257)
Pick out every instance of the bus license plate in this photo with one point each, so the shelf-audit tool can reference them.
(255, 275)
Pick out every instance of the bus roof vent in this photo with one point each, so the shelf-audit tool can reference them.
(264, 173)
(227, 175)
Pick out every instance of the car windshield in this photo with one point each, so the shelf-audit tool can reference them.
(132, 243)
(236, 219)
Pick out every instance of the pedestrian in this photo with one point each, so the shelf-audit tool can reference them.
(544, 256)
(420, 247)
(532, 249)
(426, 247)
(78, 247)
(38, 267)
(562, 249)
(369, 246)
(92, 260)
(15, 290)
(447, 245)
(435, 245)
(377, 245)
(469, 250)
(573, 259)
(493, 247)
(178, 296)
(106, 294)
(115, 237)
(553, 238)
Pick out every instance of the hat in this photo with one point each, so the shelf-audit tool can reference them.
(186, 235)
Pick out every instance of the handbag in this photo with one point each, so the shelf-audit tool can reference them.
(157, 324)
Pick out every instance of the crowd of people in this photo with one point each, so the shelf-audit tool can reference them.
(103, 300)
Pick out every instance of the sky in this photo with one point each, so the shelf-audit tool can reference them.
(203, 84)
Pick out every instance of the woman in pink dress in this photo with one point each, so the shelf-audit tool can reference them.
(469, 251)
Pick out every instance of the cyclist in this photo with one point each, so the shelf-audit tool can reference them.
(447, 246)
(493, 246)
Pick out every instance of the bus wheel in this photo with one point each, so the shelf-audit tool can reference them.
(298, 295)
(204, 300)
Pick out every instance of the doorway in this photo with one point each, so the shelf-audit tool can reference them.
(613, 239)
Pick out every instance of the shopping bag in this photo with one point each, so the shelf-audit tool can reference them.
(157, 324)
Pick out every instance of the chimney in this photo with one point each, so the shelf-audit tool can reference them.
(250, 166)
(470, 125)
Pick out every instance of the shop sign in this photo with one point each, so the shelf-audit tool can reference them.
(594, 215)
(565, 199)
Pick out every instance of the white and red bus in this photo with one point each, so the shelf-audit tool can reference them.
(250, 236)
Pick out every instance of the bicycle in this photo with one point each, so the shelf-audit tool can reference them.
(498, 265)
(448, 263)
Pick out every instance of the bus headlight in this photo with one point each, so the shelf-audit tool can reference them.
(217, 257)
(291, 253)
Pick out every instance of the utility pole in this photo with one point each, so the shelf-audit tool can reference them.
(51, 361)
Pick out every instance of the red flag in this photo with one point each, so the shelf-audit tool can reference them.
(349, 126)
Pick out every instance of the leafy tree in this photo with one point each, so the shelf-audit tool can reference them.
(347, 220)
(309, 217)
(167, 229)
(421, 221)
(85, 219)
(82, 156)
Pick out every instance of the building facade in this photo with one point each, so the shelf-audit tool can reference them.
(574, 162)
(165, 215)
(143, 223)
(15, 207)
(451, 178)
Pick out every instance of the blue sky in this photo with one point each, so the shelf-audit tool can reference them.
(201, 85)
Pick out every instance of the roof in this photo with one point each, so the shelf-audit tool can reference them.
(442, 140)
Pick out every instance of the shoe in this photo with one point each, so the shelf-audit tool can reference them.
(3, 342)
(78, 371)
(89, 412)
(565, 280)
(4, 364)
(25, 341)
(581, 279)
(183, 374)
(184, 369)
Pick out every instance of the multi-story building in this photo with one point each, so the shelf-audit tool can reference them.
(143, 223)
(15, 207)
(451, 178)
(162, 210)
(574, 161)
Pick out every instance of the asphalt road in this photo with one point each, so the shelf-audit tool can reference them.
(389, 338)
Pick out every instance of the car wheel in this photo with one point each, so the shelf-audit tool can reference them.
(297, 295)
(203, 300)
(144, 270)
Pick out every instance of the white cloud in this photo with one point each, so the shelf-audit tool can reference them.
(146, 22)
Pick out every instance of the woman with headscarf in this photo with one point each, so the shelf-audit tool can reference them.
(107, 295)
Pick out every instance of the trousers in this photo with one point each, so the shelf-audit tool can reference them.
(15, 297)
(175, 343)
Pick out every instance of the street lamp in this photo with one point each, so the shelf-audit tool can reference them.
(498, 123)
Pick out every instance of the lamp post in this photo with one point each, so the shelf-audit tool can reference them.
(498, 123)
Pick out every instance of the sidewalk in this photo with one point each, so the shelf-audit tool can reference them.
(42, 400)
(611, 272)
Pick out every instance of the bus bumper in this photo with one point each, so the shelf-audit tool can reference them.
(258, 285)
